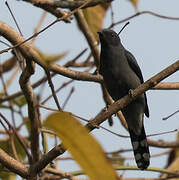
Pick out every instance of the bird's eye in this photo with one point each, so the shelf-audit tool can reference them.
(112, 35)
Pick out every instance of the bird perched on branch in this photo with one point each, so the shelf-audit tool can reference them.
(121, 74)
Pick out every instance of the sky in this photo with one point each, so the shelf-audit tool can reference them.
(152, 40)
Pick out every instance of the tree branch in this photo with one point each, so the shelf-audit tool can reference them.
(66, 3)
(49, 8)
(114, 108)
(167, 86)
(118, 105)
(30, 53)
(163, 144)
(3, 32)
(88, 35)
(62, 174)
(143, 12)
(27, 89)
(47, 158)
(12, 164)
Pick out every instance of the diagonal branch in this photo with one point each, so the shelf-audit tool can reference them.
(66, 4)
(30, 53)
(118, 105)
(3, 31)
(114, 108)
(167, 86)
(12, 164)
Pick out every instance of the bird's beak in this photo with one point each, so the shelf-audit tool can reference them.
(100, 32)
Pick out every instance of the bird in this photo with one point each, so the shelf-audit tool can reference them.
(122, 74)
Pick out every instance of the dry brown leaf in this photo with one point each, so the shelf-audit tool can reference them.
(95, 16)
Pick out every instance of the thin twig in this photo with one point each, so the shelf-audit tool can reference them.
(62, 174)
(57, 90)
(13, 18)
(48, 26)
(52, 88)
(165, 118)
(10, 103)
(68, 97)
(156, 134)
(143, 12)
(134, 168)
(21, 141)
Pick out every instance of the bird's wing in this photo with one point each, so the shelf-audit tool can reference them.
(135, 67)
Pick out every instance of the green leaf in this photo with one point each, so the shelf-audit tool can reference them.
(21, 101)
(27, 124)
(5, 145)
(2, 106)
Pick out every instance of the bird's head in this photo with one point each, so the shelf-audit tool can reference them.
(109, 37)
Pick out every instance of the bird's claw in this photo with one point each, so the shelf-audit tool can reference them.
(105, 109)
(131, 93)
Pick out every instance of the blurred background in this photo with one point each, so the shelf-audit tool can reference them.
(152, 40)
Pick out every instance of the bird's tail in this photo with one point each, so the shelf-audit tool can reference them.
(140, 148)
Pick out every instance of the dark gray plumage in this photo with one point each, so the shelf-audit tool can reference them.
(121, 73)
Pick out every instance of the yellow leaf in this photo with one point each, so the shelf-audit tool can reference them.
(82, 146)
(95, 16)
(8, 65)
(7, 175)
(135, 3)
(174, 154)
(117, 159)
(51, 58)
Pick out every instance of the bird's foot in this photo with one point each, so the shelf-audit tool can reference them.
(96, 72)
(105, 109)
(110, 121)
(131, 93)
